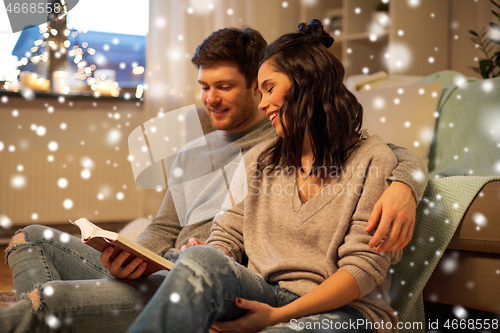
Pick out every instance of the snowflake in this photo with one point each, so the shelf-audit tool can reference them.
(175, 297)
(48, 291)
(449, 265)
(68, 203)
(48, 234)
(52, 322)
(460, 312)
(5, 222)
(480, 219)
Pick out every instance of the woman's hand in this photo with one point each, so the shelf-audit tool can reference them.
(396, 209)
(259, 316)
(133, 270)
(194, 241)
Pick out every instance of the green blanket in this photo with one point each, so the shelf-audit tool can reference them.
(465, 156)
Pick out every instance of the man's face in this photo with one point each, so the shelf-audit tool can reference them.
(232, 106)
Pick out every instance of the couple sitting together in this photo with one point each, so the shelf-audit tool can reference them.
(317, 255)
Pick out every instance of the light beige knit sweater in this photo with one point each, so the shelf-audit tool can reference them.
(300, 246)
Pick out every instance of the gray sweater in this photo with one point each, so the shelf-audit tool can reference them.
(300, 246)
(168, 231)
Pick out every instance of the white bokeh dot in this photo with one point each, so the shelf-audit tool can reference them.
(62, 182)
(178, 172)
(480, 219)
(63, 126)
(34, 216)
(15, 113)
(18, 181)
(460, 312)
(120, 196)
(47, 233)
(175, 297)
(20, 168)
(379, 102)
(64, 237)
(52, 322)
(48, 291)
(5, 222)
(487, 85)
(68, 204)
(418, 175)
(53, 146)
(230, 11)
(50, 158)
(85, 174)
(41, 130)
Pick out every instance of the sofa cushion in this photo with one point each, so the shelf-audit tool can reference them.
(379, 80)
(479, 229)
(403, 116)
(467, 138)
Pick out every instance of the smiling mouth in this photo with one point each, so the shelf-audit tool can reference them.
(219, 111)
(272, 116)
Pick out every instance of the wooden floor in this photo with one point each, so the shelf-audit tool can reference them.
(5, 274)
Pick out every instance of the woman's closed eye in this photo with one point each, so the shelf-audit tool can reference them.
(270, 89)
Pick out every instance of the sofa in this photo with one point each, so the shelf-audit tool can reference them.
(454, 255)
(453, 124)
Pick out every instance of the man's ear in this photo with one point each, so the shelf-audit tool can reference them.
(255, 86)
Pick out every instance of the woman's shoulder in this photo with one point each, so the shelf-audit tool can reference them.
(374, 150)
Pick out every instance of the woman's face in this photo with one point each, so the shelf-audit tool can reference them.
(274, 86)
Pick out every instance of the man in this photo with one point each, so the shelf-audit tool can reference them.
(72, 285)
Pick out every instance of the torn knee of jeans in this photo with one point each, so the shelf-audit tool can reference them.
(18, 239)
(200, 276)
(35, 298)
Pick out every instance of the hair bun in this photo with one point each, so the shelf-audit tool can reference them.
(315, 29)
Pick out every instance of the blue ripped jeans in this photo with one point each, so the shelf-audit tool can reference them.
(201, 288)
(73, 291)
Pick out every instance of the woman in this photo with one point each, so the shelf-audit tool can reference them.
(301, 224)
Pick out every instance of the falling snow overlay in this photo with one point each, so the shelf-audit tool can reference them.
(49, 169)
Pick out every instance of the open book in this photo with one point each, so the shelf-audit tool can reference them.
(100, 239)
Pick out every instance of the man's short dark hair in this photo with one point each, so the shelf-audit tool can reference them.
(241, 46)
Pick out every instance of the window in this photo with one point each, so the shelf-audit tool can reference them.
(104, 46)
